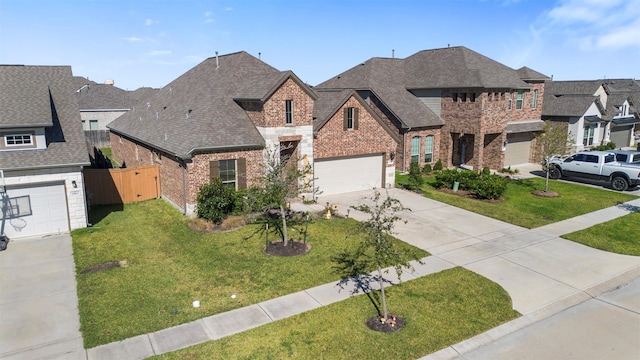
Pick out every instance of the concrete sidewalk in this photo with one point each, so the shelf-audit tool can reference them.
(544, 275)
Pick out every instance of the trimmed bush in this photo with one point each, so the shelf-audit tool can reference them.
(427, 169)
(415, 180)
(438, 165)
(486, 171)
(491, 187)
(446, 178)
(215, 201)
(608, 146)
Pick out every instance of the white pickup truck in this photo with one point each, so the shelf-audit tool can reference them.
(601, 166)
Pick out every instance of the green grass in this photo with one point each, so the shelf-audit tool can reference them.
(440, 310)
(522, 208)
(621, 235)
(106, 151)
(170, 266)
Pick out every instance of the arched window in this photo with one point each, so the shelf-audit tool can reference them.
(415, 149)
(428, 149)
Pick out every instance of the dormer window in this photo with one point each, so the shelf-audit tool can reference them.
(18, 139)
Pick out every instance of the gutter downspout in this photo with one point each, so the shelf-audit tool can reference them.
(184, 187)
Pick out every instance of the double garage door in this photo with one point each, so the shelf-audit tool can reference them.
(621, 135)
(32, 210)
(518, 149)
(337, 176)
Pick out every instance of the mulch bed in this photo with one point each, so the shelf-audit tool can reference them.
(293, 248)
(549, 194)
(375, 324)
(470, 195)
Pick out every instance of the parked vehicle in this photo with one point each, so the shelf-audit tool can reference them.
(627, 156)
(601, 166)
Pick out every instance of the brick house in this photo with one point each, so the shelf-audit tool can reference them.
(452, 104)
(42, 152)
(594, 112)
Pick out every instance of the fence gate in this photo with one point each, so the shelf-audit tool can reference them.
(122, 186)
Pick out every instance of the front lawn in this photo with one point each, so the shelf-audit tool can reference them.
(621, 235)
(440, 310)
(168, 266)
(520, 207)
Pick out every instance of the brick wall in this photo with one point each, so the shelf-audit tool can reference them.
(274, 108)
(422, 134)
(333, 141)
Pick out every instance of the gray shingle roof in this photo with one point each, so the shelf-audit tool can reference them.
(103, 97)
(566, 105)
(527, 73)
(79, 82)
(198, 110)
(39, 96)
(578, 87)
(457, 67)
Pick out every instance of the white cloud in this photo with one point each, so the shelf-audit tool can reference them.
(208, 14)
(133, 39)
(149, 22)
(160, 53)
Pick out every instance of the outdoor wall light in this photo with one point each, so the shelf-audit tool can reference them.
(74, 183)
(392, 156)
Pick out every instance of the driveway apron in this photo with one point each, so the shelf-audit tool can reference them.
(536, 267)
(39, 316)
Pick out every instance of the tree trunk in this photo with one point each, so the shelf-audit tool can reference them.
(546, 183)
(382, 294)
(285, 238)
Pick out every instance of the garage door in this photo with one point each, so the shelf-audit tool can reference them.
(518, 149)
(34, 210)
(621, 135)
(343, 175)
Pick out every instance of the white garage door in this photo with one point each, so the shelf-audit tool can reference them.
(348, 174)
(37, 209)
(518, 149)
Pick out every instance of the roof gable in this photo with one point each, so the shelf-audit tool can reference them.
(46, 94)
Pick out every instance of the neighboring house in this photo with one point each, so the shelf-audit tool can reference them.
(594, 112)
(42, 152)
(99, 105)
(221, 118)
(452, 104)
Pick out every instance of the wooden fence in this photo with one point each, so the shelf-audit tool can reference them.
(122, 186)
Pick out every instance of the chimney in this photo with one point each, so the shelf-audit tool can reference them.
(393, 53)
(109, 82)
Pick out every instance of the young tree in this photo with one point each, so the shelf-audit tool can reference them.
(285, 178)
(377, 248)
(553, 140)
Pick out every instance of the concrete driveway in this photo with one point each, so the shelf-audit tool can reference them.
(38, 301)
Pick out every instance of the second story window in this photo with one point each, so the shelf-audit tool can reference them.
(519, 100)
(18, 139)
(510, 100)
(350, 119)
(534, 99)
(288, 111)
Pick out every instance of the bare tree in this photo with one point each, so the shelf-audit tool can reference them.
(553, 140)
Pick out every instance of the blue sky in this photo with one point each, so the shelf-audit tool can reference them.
(151, 42)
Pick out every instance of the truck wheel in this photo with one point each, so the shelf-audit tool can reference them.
(555, 173)
(619, 183)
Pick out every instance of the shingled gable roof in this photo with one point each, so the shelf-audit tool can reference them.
(329, 101)
(42, 96)
(103, 97)
(528, 74)
(384, 77)
(199, 111)
(458, 67)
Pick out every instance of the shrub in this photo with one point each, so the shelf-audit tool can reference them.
(215, 201)
(438, 165)
(486, 171)
(490, 186)
(608, 146)
(445, 178)
(468, 180)
(427, 169)
(415, 180)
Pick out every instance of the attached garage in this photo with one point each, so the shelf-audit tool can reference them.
(621, 135)
(518, 149)
(341, 175)
(32, 210)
